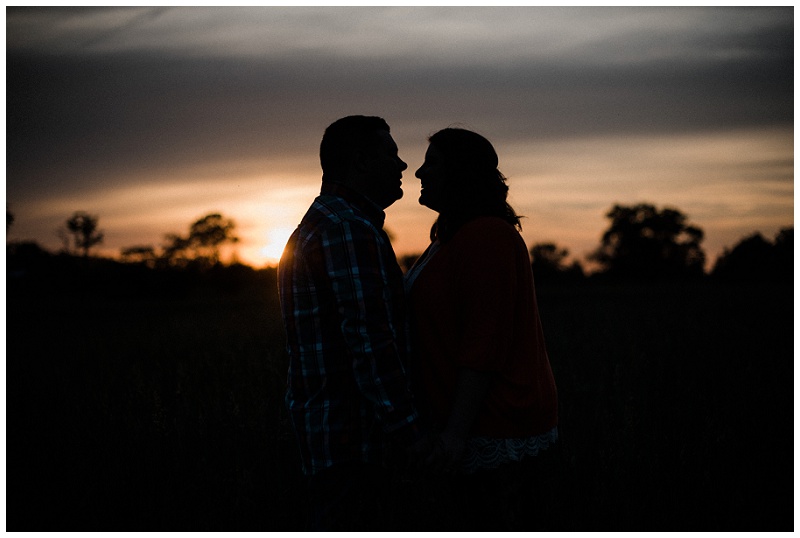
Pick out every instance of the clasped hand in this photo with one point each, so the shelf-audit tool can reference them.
(438, 452)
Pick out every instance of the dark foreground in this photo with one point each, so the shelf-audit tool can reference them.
(146, 411)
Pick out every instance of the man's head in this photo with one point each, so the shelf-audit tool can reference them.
(359, 152)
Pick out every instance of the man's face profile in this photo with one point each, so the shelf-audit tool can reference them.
(384, 170)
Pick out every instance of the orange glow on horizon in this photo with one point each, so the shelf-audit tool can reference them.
(731, 185)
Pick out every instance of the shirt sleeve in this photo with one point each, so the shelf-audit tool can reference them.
(486, 287)
(357, 264)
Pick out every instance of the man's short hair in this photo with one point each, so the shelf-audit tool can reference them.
(343, 138)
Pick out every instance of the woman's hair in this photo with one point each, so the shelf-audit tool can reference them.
(474, 185)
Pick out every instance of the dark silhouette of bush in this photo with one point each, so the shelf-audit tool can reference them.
(646, 243)
(24, 258)
(31, 270)
(142, 254)
(548, 263)
(755, 258)
(25, 251)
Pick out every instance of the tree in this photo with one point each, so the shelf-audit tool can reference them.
(783, 254)
(643, 242)
(756, 258)
(206, 236)
(82, 229)
(548, 263)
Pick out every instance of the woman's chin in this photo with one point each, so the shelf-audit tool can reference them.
(427, 202)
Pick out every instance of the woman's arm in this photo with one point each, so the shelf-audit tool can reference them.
(471, 389)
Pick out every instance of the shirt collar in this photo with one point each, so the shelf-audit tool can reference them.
(354, 198)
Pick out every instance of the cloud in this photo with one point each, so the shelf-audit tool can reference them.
(152, 107)
(598, 35)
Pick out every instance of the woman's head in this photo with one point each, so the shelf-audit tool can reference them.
(460, 180)
(465, 150)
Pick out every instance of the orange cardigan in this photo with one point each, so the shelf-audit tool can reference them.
(473, 306)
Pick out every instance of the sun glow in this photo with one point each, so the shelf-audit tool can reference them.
(276, 241)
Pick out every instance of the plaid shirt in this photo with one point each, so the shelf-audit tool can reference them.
(341, 293)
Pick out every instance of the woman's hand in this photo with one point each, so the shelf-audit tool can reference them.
(418, 453)
(448, 451)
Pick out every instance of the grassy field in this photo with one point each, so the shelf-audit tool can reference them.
(140, 411)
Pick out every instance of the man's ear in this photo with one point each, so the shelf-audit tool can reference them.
(360, 162)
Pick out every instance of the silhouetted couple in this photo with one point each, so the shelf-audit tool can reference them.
(440, 375)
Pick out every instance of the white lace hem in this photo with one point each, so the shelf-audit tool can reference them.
(484, 453)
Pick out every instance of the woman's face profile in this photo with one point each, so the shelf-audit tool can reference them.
(433, 177)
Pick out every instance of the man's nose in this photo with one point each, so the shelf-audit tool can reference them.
(402, 163)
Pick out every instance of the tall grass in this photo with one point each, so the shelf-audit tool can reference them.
(147, 412)
(676, 405)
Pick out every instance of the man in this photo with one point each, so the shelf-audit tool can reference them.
(341, 293)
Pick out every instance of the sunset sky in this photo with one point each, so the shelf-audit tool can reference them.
(151, 118)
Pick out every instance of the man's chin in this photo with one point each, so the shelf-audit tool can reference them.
(389, 200)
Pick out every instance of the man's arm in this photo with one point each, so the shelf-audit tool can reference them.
(359, 277)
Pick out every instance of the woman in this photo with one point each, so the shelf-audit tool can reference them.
(479, 361)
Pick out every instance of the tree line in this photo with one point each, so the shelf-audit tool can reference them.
(642, 242)
(201, 246)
